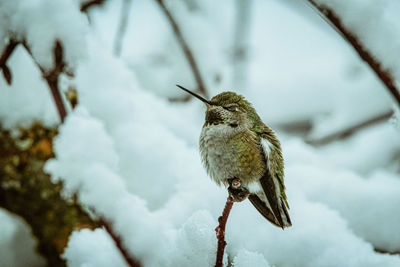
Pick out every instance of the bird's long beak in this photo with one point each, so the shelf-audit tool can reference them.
(208, 103)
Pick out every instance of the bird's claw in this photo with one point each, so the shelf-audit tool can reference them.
(236, 191)
(236, 183)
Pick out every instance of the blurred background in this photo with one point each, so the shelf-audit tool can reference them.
(121, 60)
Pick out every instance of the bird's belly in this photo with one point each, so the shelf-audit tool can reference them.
(231, 156)
(222, 165)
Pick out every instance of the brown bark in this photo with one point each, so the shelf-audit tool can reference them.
(220, 230)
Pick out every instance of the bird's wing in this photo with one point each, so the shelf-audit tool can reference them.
(271, 200)
(263, 208)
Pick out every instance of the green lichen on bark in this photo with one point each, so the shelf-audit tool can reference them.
(27, 191)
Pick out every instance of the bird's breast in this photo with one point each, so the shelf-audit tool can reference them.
(229, 152)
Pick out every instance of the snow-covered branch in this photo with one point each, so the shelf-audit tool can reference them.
(350, 33)
(131, 261)
(27, 191)
(130, 156)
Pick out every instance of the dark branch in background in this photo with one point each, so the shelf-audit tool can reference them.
(12, 44)
(185, 47)
(86, 5)
(384, 75)
(384, 251)
(123, 23)
(350, 130)
(220, 230)
(240, 42)
(52, 76)
(131, 261)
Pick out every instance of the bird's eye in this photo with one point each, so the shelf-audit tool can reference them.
(231, 108)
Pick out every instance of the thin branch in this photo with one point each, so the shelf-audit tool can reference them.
(185, 47)
(384, 251)
(220, 230)
(350, 130)
(52, 76)
(384, 75)
(123, 23)
(240, 42)
(86, 5)
(131, 261)
(12, 44)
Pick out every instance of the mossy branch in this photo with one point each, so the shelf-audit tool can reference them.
(28, 192)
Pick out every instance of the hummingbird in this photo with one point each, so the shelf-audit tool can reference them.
(242, 153)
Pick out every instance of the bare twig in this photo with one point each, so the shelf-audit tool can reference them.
(384, 251)
(12, 44)
(86, 5)
(185, 47)
(220, 230)
(131, 261)
(52, 76)
(123, 23)
(384, 75)
(350, 130)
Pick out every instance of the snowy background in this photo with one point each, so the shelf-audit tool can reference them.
(132, 155)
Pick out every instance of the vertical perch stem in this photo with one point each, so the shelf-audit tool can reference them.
(220, 230)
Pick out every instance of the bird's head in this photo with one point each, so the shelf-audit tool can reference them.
(230, 109)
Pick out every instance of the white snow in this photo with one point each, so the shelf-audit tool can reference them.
(246, 258)
(17, 107)
(16, 242)
(92, 249)
(132, 156)
(41, 22)
(356, 15)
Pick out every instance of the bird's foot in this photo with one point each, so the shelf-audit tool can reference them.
(235, 183)
(236, 191)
